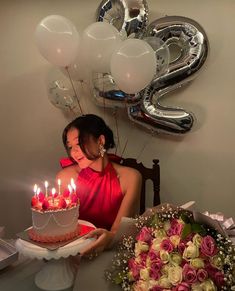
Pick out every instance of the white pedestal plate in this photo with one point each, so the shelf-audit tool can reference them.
(57, 273)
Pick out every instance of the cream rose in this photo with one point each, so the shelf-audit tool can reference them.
(197, 263)
(175, 239)
(144, 274)
(175, 275)
(141, 247)
(217, 262)
(197, 239)
(164, 282)
(156, 244)
(208, 285)
(160, 233)
(164, 256)
(196, 287)
(175, 258)
(191, 251)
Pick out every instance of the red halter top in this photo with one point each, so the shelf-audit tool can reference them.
(100, 196)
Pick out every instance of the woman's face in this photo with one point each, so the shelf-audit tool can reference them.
(75, 150)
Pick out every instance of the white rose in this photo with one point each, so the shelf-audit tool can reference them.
(144, 274)
(208, 285)
(175, 275)
(175, 239)
(191, 251)
(164, 282)
(196, 287)
(197, 239)
(141, 247)
(164, 256)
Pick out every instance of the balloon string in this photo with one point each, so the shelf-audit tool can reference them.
(124, 147)
(75, 93)
(117, 130)
(143, 148)
(103, 96)
(71, 109)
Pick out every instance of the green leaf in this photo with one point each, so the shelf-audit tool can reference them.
(185, 218)
(198, 228)
(186, 230)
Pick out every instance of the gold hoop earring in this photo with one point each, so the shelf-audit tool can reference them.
(102, 150)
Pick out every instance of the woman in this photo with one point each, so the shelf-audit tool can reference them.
(107, 191)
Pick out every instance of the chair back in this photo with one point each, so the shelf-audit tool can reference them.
(152, 174)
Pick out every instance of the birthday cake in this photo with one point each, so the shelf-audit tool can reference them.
(54, 217)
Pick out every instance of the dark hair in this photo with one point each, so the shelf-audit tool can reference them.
(89, 126)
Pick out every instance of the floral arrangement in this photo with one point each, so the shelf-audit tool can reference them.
(171, 251)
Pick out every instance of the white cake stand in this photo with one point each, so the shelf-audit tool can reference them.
(57, 273)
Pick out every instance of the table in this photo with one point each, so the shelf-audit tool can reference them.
(57, 272)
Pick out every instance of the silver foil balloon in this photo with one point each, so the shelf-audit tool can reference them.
(61, 94)
(106, 93)
(128, 15)
(189, 46)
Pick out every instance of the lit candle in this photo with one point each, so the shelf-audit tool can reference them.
(70, 189)
(53, 194)
(35, 189)
(59, 184)
(46, 186)
(38, 191)
(73, 185)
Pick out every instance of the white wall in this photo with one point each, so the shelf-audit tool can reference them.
(198, 166)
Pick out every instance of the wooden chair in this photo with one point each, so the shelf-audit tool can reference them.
(152, 174)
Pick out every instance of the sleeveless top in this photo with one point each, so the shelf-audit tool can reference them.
(100, 196)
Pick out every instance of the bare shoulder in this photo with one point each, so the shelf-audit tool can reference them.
(67, 173)
(127, 173)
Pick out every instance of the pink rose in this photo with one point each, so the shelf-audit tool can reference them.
(211, 270)
(181, 247)
(183, 286)
(135, 268)
(143, 257)
(156, 264)
(219, 279)
(153, 255)
(176, 228)
(156, 288)
(189, 274)
(202, 275)
(145, 235)
(208, 246)
(154, 273)
(167, 245)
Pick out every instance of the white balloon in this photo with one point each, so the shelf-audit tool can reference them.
(99, 40)
(78, 69)
(133, 65)
(162, 54)
(57, 40)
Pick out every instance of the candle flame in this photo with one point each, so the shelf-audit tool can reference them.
(35, 188)
(70, 189)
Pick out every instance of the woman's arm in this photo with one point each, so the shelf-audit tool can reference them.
(130, 180)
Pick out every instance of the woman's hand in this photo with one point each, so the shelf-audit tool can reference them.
(102, 242)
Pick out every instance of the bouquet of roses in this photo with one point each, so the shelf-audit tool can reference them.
(171, 251)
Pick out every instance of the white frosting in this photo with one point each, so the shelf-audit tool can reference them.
(55, 222)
